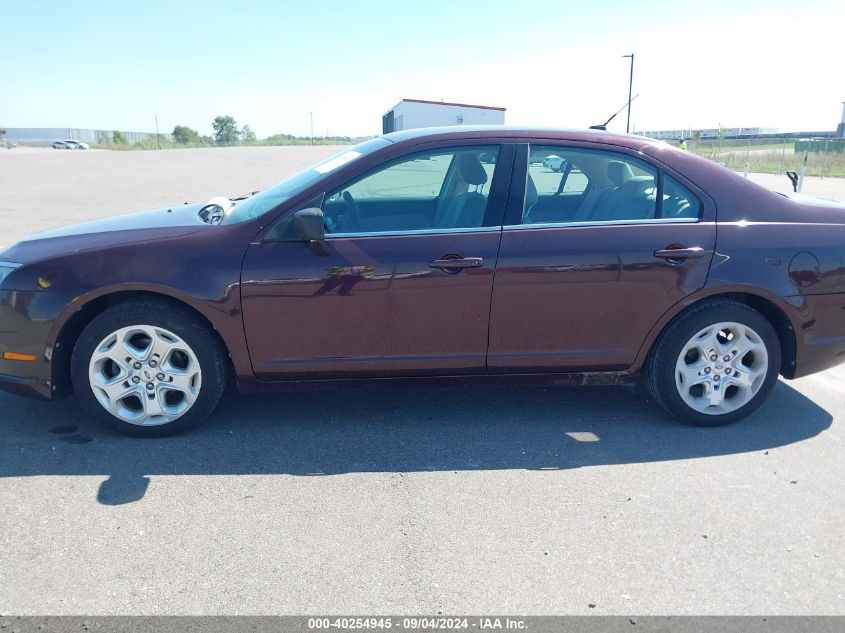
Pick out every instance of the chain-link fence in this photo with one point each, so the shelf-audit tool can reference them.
(44, 137)
(820, 156)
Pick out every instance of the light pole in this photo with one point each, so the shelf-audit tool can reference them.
(630, 87)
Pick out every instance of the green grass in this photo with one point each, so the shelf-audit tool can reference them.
(166, 143)
(775, 161)
(742, 146)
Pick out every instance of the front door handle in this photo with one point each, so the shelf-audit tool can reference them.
(456, 263)
(680, 253)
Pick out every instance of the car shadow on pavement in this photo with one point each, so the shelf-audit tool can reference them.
(390, 430)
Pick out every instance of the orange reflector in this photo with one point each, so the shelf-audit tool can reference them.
(16, 356)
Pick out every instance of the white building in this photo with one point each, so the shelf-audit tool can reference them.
(414, 113)
(729, 132)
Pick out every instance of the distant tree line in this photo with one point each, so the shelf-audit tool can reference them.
(184, 135)
(227, 132)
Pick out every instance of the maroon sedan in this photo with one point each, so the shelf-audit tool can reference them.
(443, 255)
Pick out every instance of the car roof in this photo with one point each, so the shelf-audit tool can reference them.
(517, 132)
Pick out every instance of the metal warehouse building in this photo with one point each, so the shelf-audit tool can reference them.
(44, 136)
(414, 113)
(728, 132)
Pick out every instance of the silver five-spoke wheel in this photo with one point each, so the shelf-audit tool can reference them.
(145, 375)
(721, 368)
(715, 363)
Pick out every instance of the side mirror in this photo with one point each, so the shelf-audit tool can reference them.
(309, 225)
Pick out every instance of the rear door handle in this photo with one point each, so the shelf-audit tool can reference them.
(458, 263)
(680, 253)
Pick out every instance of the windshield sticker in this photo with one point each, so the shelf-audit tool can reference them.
(337, 161)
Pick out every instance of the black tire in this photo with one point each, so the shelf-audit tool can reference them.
(203, 342)
(660, 366)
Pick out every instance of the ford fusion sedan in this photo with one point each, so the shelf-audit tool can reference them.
(441, 255)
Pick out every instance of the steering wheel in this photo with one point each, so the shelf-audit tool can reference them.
(357, 218)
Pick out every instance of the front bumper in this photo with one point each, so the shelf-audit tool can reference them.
(25, 327)
(29, 387)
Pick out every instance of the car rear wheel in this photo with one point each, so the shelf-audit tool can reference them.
(148, 368)
(715, 364)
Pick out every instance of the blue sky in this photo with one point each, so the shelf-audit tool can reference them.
(114, 65)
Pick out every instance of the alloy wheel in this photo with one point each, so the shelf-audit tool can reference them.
(721, 368)
(145, 375)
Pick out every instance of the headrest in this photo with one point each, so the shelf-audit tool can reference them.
(618, 172)
(531, 195)
(637, 186)
(470, 170)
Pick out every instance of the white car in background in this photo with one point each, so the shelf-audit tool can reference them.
(69, 144)
(554, 162)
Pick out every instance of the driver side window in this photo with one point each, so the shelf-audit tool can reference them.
(438, 189)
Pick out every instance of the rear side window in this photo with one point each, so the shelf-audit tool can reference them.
(568, 184)
(678, 200)
(547, 170)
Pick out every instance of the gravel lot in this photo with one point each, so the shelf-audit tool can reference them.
(473, 500)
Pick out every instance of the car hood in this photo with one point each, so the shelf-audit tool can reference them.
(140, 226)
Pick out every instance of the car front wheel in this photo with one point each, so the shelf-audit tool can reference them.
(148, 368)
(715, 364)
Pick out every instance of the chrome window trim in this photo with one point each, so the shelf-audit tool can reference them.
(552, 225)
(12, 265)
(509, 227)
(478, 229)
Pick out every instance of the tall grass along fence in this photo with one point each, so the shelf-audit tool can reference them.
(824, 157)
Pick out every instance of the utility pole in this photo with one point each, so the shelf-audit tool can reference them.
(840, 129)
(158, 137)
(803, 170)
(747, 156)
(312, 127)
(630, 89)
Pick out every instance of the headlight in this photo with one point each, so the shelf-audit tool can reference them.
(6, 269)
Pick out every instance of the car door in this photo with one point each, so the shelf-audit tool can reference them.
(401, 285)
(586, 269)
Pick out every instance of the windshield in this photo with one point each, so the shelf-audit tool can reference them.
(268, 199)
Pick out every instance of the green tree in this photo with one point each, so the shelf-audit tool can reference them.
(247, 135)
(225, 130)
(720, 136)
(118, 138)
(183, 135)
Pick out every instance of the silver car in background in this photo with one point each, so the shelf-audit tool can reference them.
(69, 144)
(554, 162)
